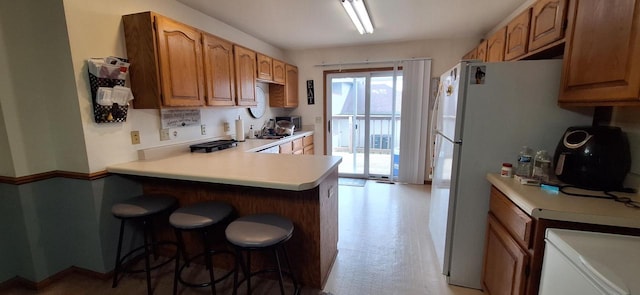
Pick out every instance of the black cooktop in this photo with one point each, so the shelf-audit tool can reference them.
(212, 146)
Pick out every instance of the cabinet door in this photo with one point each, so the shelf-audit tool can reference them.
(517, 36)
(219, 72)
(181, 71)
(482, 51)
(278, 71)
(505, 262)
(245, 62)
(286, 148)
(285, 96)
(495, 46)
(602, 53)
(265, 69)
(471, 54)
(291, 83)
(547, 22)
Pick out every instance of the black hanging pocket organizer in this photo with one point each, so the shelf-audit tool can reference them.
(107, 114)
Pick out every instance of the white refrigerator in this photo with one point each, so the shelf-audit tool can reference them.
(483, 115)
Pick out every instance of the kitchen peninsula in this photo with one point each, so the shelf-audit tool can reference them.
(302, 188)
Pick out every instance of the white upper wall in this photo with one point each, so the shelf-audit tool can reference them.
(444, 54)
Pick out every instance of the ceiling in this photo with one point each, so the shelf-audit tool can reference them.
(305, 24)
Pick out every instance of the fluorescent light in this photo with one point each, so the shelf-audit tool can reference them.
(364, 16)
(358, 14)
(352, 14)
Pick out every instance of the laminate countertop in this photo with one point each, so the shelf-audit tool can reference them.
(240, 165)
(543, 204)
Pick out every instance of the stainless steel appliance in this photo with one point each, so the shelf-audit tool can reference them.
(296, 120)
(480, 121)
(593, 157)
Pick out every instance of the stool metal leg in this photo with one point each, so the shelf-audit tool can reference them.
(208, 263)
(117, 267)
(275, 253)
(147, 264)
(248, 272)
(176, 273)
(291, 272)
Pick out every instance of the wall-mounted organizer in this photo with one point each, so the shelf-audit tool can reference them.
(109, 97)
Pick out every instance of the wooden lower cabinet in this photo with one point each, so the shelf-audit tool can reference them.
(286, 148)
(307, 142)
(506, 256)
(505, 262)
(514, 246)
(298, 147)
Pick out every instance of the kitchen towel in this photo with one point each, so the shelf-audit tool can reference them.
(239, 130)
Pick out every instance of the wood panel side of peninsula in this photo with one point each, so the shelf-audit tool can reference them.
(314, 212)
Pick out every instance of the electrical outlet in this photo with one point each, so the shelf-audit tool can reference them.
(135, 137)
(318, 120)
(226, 127)
(164, 134)
(203, 129)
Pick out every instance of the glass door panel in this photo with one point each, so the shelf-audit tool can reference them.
(365, 122)
(347, 113)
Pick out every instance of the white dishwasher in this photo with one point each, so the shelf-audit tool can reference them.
(585, 263)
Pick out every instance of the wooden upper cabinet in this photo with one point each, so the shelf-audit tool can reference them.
(245, 67)
(166, 61)
(495, 46)
(471, 54)
(278, 71)
(547, 22)
(602, 53)
(180, 55)
(481, 51)
(517, 36)
(265, 68)
(285, 96)
(219, 71)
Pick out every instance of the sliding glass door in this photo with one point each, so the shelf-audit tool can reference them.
(365, 122)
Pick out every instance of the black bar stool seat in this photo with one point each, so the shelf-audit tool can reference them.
(261, 232)
(142, 209)
(201, 217)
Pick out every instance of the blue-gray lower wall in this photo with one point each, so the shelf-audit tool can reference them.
(50, 225)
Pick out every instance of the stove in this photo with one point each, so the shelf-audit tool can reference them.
(213, 146)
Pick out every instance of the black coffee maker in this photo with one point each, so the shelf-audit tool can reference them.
(593, 157)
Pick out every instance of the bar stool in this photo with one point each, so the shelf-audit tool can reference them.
(141, 209)
(260, 232)
(201, 217)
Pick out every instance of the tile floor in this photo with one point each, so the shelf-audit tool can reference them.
(384, 248)
(384, 245)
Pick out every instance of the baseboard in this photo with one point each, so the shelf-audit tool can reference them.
(28, 284)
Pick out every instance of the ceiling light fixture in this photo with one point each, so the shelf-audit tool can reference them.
(358, 14)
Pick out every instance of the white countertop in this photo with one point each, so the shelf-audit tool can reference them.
(558, 206)
(241, 165)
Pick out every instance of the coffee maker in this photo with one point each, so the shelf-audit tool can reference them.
(593, 157)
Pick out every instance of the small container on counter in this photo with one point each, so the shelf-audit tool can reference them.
(506, 170)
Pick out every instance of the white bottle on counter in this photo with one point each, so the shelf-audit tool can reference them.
(525, 162)
(541, 166)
